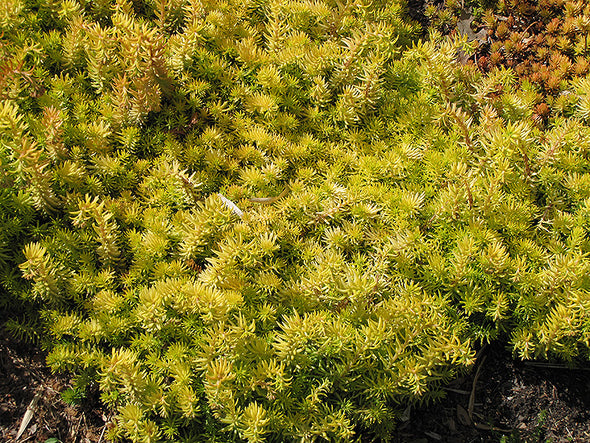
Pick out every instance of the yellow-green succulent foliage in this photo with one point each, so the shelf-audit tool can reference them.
(279, 220)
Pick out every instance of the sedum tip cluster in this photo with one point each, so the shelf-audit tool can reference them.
(279, 220)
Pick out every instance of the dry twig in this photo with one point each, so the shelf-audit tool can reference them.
(28, 414)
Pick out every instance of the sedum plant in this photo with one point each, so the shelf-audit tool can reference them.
(545, 42)
(279, 221)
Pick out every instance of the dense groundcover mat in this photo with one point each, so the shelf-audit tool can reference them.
(280, 220)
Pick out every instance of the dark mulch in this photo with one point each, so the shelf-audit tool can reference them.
(515, 400)
(23, 374)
